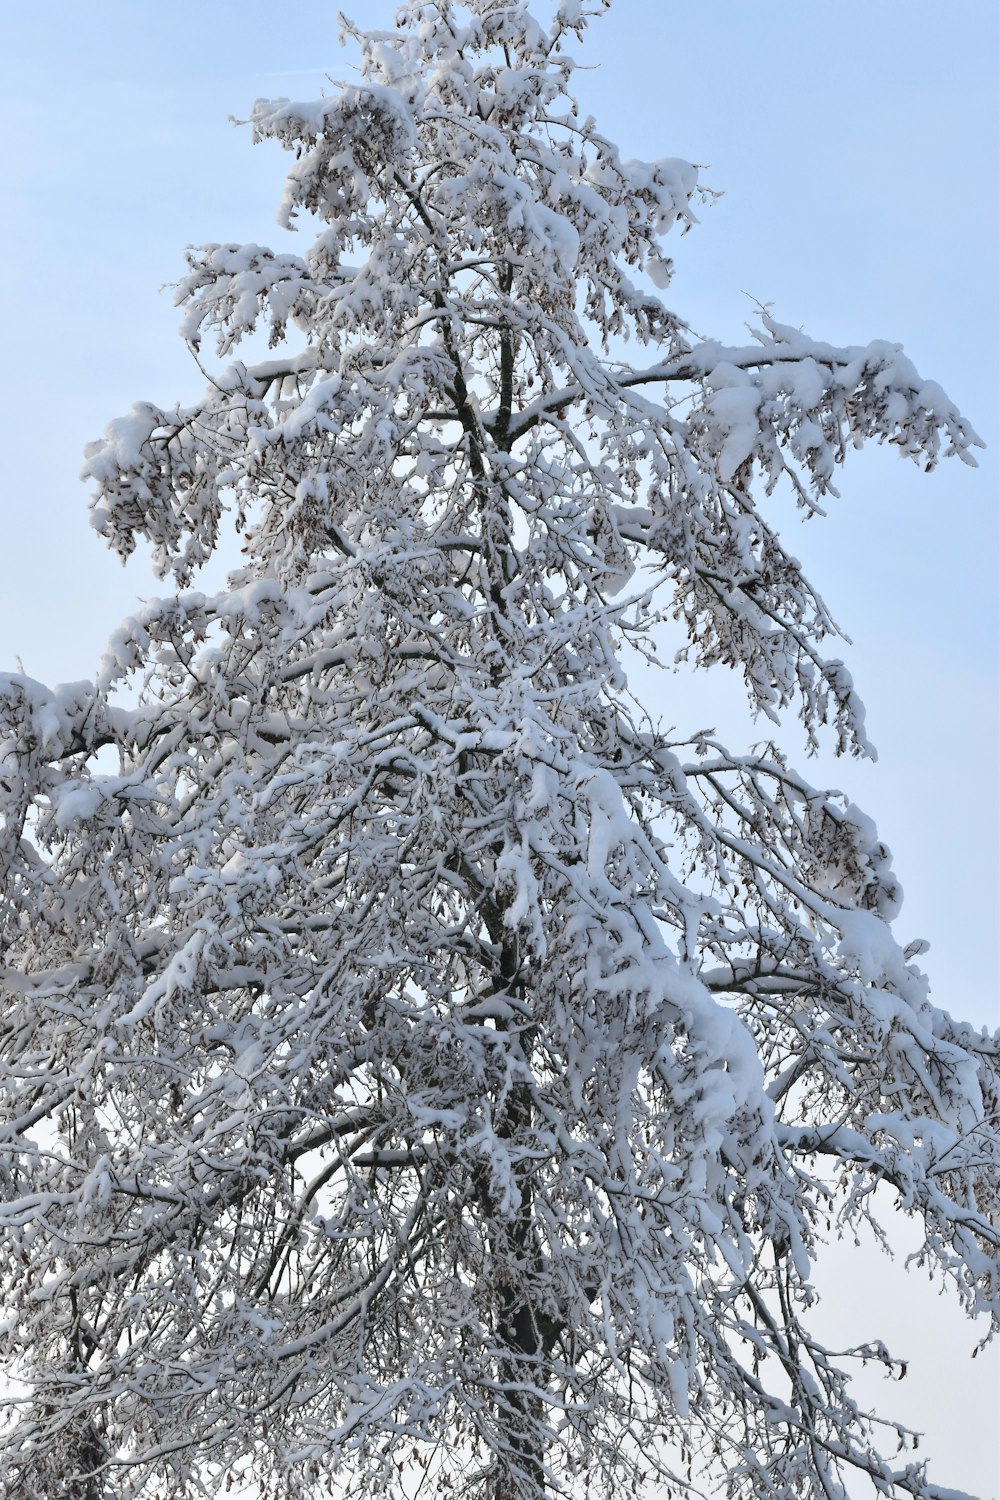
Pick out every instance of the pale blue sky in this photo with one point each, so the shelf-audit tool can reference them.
(857, 149)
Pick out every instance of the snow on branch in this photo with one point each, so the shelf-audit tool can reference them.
(411, 1059)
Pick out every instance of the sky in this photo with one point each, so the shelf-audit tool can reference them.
(856, 151)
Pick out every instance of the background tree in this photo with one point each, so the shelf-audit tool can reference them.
(415, 1061)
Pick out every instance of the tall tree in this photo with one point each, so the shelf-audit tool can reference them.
(418, 1070)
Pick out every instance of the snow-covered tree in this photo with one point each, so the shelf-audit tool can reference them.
(419, 1072)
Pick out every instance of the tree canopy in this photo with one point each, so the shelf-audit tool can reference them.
(418, 1068)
